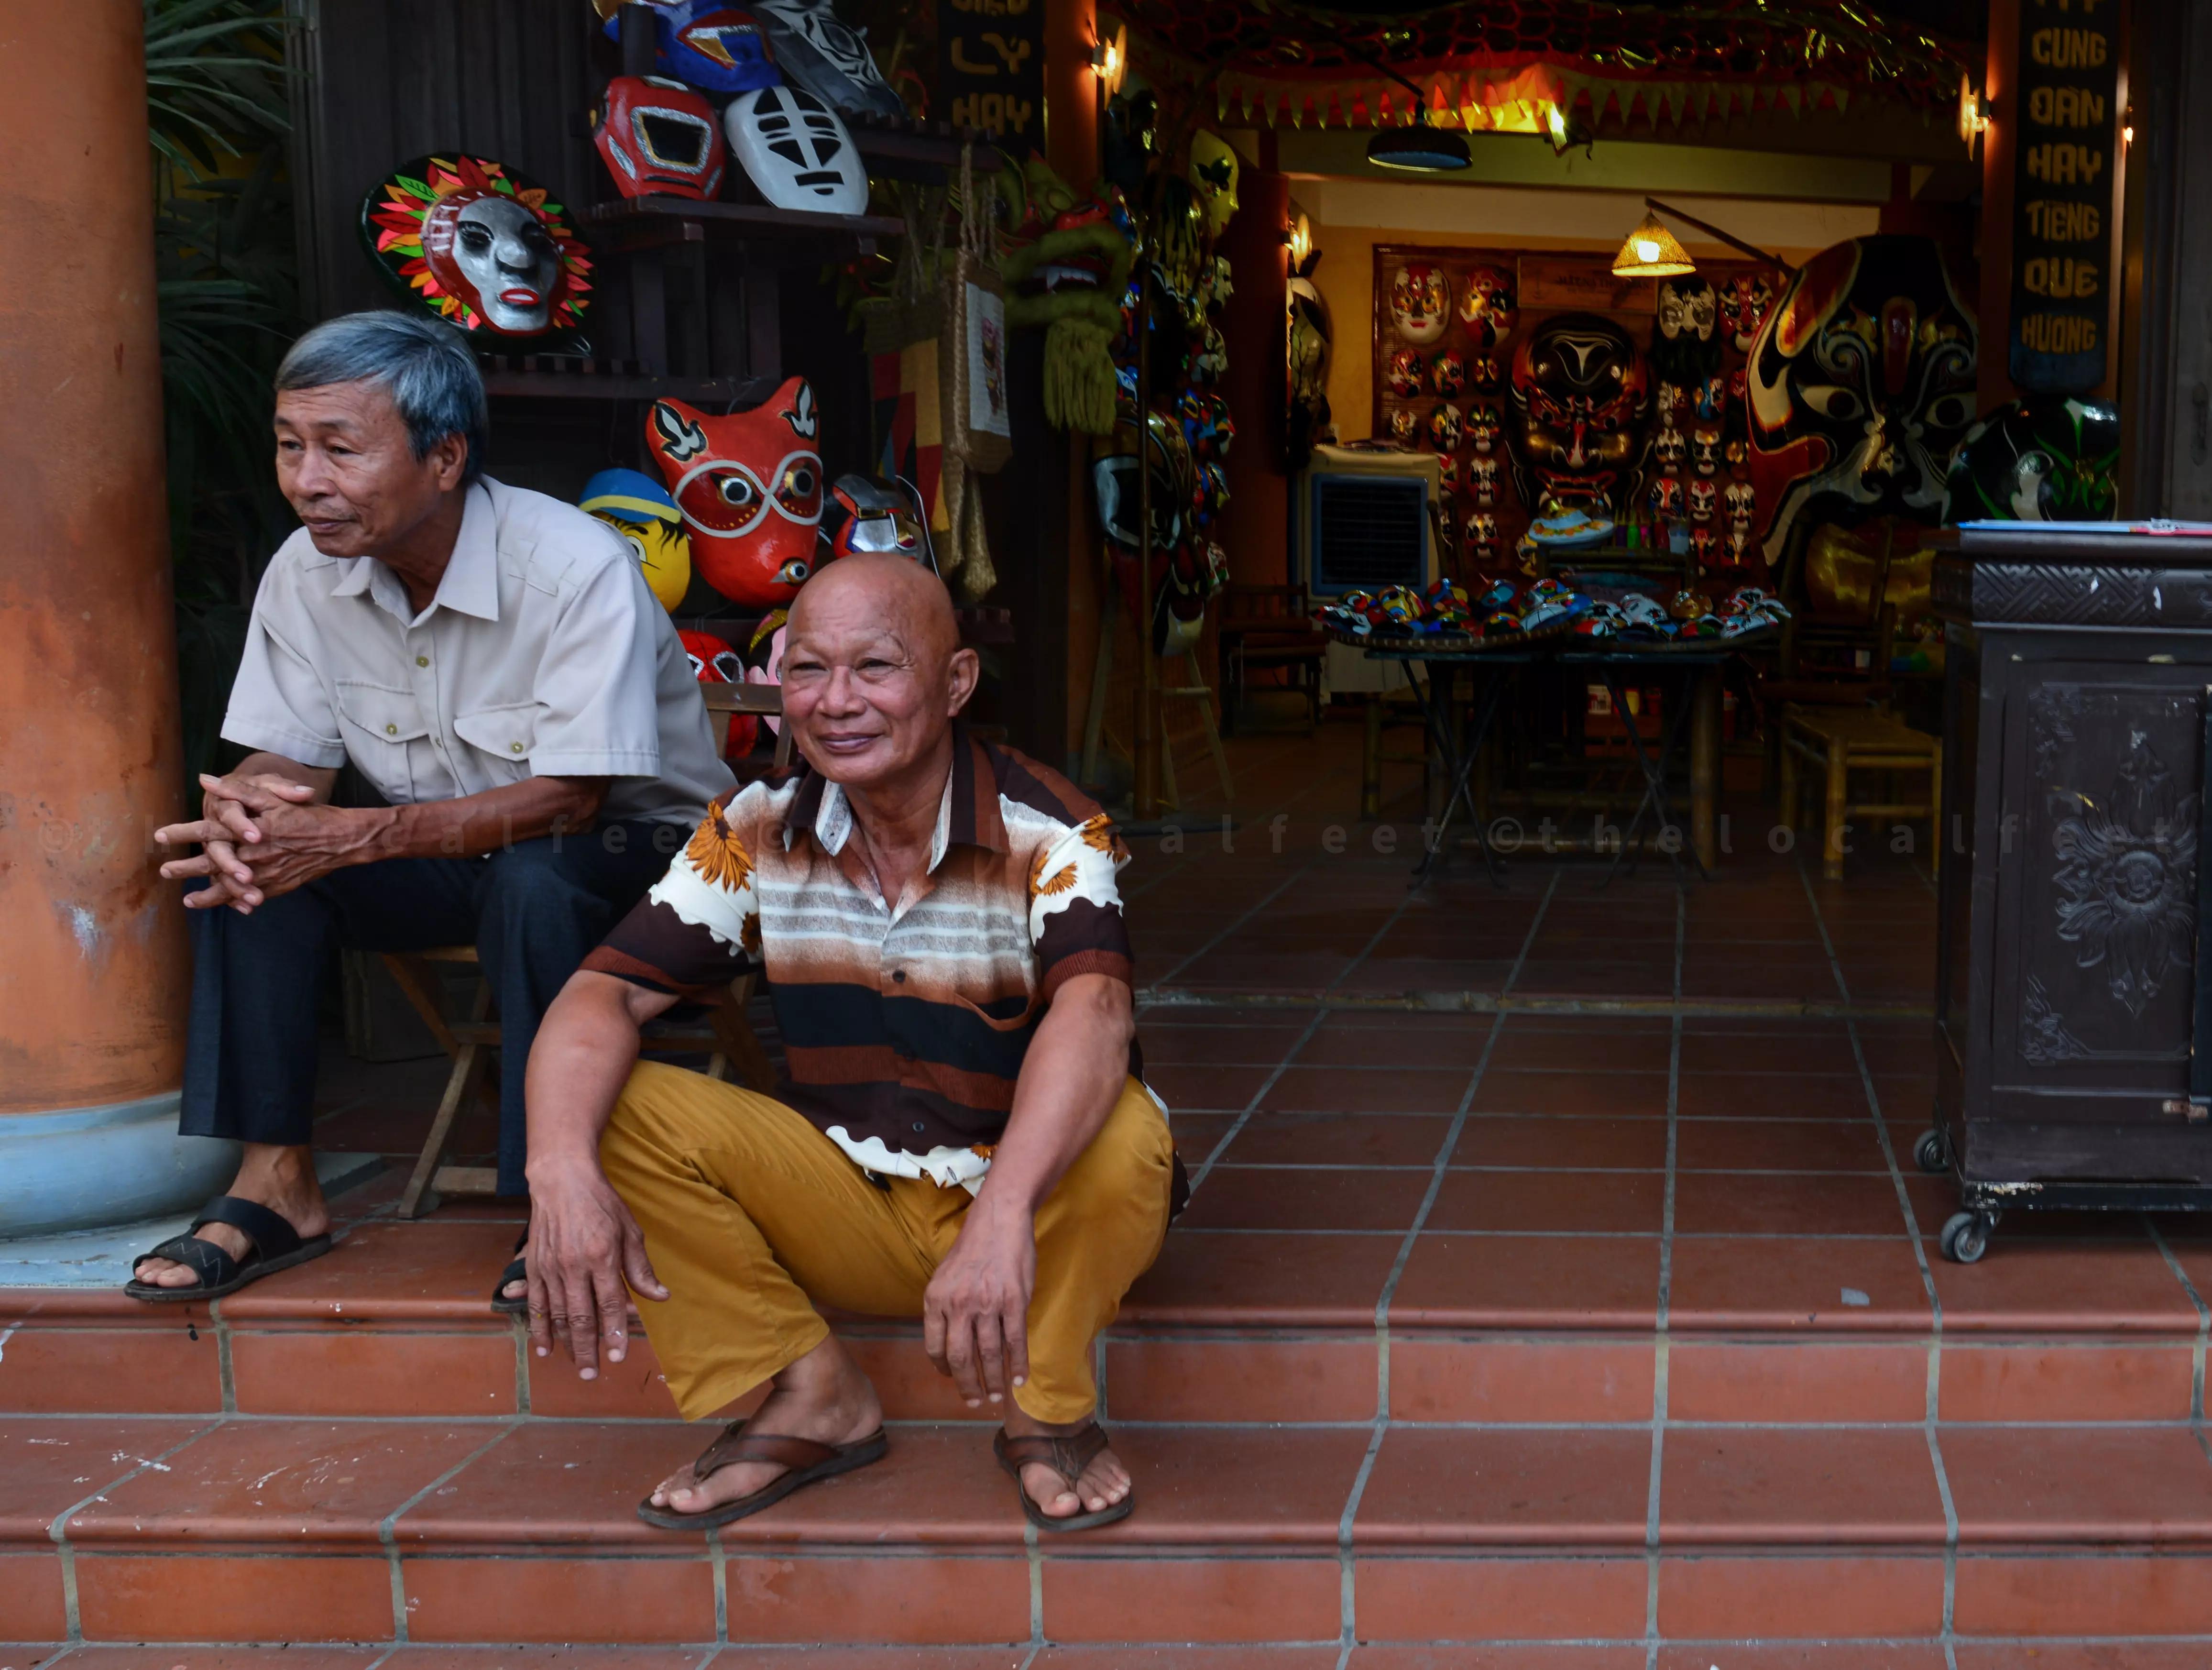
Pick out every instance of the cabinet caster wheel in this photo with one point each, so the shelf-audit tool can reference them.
(1966, 1237)
(1932, 1153)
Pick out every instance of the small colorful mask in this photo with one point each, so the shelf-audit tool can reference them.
(1685, 347)
(1213, 169)
(659, 137)
(1741, 501)
(1447, 471)
(639, 509)
(1581, 390)
(1481, 533)
(794, 148)
(1403, 372)
(1487, 306)
(1485, 371)
(1669, 449)
(1482, 426)
(1705, 546)
(1664, 497)
(818, 50)
(1482, 481)
(750, 487)
(1703, 496)
(1420, 302)
(1705, 448)
(1448, 374)
(478, 245)
(1443, 427)
(2045, 457)
(1745, 301)
(1405, 423)
(705, 44)
(713, 660)
(879, 517)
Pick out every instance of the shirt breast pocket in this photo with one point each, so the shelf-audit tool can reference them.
(380, 724)
(502, 737)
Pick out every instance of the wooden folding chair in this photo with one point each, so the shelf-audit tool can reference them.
(727, 1035)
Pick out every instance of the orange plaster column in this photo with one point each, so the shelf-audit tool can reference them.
(94, 970)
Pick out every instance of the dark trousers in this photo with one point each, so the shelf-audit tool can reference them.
(533, 911)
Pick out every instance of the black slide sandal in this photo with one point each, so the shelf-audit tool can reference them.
(276, 1246)
(808, 1462)
(517, 1270)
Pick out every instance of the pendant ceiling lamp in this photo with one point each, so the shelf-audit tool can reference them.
(1420, 148)
(1652, 252)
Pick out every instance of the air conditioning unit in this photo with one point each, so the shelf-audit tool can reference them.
(1363, 520)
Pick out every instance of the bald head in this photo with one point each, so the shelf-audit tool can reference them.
(894, 590)
(873, 673)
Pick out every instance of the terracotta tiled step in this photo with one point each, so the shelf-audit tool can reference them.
(491, 1532)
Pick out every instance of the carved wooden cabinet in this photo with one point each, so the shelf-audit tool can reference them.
(2077, 674)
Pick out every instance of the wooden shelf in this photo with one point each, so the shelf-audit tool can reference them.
(658, 221)
(926, 152)
(552, 385)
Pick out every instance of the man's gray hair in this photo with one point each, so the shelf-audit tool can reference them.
(426, 367)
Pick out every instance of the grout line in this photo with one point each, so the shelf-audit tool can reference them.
(1348, 1601)
(2203, 1322)
(1932, 1411)
(1661, 1356)
(57, 1527)
(1033, 1552)
(1267, 1084)
(720, 1559)
(391, 1543)
(1269, 898)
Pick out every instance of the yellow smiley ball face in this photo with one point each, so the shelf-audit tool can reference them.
(663, 550)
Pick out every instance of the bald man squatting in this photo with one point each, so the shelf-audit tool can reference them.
(962, 1134)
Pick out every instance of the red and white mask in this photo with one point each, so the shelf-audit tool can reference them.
(1703, 496)
(1482, 481)
(659, 137)
(750, 487)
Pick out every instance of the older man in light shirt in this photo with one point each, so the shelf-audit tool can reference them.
(491, 662)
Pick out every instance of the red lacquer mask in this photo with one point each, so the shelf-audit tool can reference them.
(750, 487)
(659, 137)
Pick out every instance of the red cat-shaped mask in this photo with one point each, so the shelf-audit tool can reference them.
(750, 487)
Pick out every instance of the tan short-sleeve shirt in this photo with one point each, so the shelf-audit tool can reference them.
(542, 654)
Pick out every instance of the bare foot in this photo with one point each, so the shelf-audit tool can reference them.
(822, 1396)
(1104, 1482)
(281, 1179)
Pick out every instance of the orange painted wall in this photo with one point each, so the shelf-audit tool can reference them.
(93, 979)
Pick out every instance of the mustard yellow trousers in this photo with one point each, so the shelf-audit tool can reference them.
(751, 1216)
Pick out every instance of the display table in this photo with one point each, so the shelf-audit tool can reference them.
(1458, 742)
(1695, 667)
(2067, 997)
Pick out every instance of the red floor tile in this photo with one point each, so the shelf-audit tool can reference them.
(1221, 1599)
(1434, 1379)
(338, 1371)
(1255, 1197)
(1251, 1488)
(1515, 1657)
(1504, 1139)
(1552, 1202)
(561, 1598)
(1770, 1096)
(1386, 1041)
(1408, 1598)
(1202, 1280)
(2047, 1380)
(1780, 1283)
(1750, 1047)
(2064, 1655)
(1771, 1486)
(50, 1465)
(295, 1481)
(1165, 1378)
(1270, 1657)
(1528, 1043)
(1168, 1043)
(1810, 1596)
(1558, 1488)
(2078, 1484)
(1786, 1204)
(1745, 1145)
(272, 1597)
(851, 1658)
(1797, 1381)
(146, 1370)
(1400, 1090)
(273, 1658)
(1618, 1095)
(1528, 1282)
(33, 1604)
(1201, 1087)
(1340, 1139)
(2135, 1593)
(633, 1387)
(1858, 1655)
(2025, 1285)
(437, 1270)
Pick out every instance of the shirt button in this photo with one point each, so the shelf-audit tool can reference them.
(391, 730)
(515, 747)
(899, 974)
(919, 1127)
(422, 660)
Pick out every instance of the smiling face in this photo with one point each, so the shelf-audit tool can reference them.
(873, 673)
(499, 257)
(344, 464)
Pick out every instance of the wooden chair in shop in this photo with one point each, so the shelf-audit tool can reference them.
(726, 1037)
(1837, 741)
(1269, 627)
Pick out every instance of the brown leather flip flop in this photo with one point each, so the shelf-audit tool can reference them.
(1068, 1457)
(805, 1460)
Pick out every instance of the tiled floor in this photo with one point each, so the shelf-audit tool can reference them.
(1556, 1292)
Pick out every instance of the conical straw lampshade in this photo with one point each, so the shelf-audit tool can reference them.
(1651, 252)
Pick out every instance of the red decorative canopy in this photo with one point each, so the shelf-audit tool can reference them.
(1298, 61)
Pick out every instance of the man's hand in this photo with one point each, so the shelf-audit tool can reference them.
(291, 838)
(583, 1242)
(976, 1313)
(227, 823)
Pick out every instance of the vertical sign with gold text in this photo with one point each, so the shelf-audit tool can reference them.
(2066, 127)
(990, 63)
